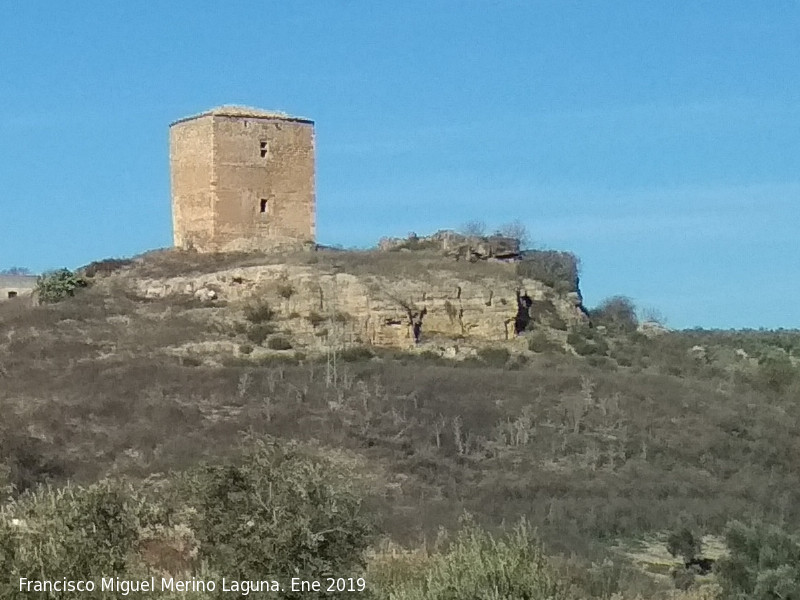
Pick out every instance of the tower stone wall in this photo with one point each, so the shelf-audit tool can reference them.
(242, 179)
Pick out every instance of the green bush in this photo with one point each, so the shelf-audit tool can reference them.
(73, 533)
(246, 349)
(280, 512)
(763, 563)
(55, 286)
(279, 342)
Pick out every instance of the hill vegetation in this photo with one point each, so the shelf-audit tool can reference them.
(539, 470)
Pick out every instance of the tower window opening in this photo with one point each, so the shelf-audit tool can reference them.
(264, 149)
(264, 206)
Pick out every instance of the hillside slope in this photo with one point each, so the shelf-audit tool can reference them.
(638, 437)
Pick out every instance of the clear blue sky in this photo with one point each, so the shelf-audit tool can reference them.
(660, 141)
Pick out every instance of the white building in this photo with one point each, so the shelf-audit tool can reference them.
(16, 286)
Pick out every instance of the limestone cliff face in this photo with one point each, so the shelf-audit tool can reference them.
(315, 304)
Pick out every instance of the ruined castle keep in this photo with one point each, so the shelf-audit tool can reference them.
(242, 179)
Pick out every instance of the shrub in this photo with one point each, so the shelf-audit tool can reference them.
(73, 533)
(685, 544)
(495, 357)
(27, 461)
(475, 565)
(259, 332)
(279, 342)
(286, 290)
(776, 370)
(105, 267)
(238, 328)
(277, 511)
(246, 349)
(259, 313)
(683, 578)
(281, 511)
(601, 362)
(624, 360)
(587, 341)
(556, 322)
(414, 242)
(356, 354)
(763, 563)
(315, 318)
(539, 342)
(191, 361)
(559, 270)
(55, 286)
(626, 353)
(617, 313)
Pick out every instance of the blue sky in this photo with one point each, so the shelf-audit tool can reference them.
(660, 141)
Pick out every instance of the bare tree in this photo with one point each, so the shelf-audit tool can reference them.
(517, 230)
(415, 315)
(438, 427)
(458, 434)
(474, 228)
(577, 405)
(652, 314)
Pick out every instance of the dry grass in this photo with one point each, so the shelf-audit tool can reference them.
(588, 452)
(174, 263)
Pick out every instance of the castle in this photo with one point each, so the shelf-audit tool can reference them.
(242, 179)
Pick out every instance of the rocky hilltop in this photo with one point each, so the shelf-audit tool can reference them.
(399, 297)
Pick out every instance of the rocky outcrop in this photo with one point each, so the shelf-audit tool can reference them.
(458, 246)
(318, 305)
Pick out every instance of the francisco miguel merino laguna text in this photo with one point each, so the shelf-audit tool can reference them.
(170, 584)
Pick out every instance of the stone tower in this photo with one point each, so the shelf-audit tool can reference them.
(242, 179)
